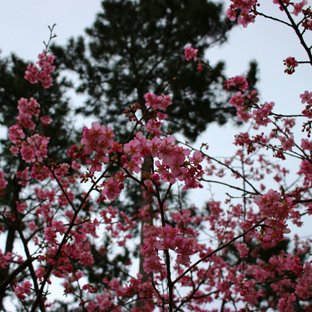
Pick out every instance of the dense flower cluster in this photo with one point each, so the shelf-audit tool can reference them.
(190, 53)
(243, 99)
(3, 182)
(157, 102)
(22, 290)
(276, 210)
(34, 147)
(306, 98)
(243, 10)
(42, 71)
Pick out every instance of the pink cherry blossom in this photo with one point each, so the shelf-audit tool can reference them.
(190, 53)
(261, 115)
(42, 72)
(290, 63)
(3, 182)
(298, 7)
(5, 259)
(157, 102)
(236, 83)
(244, 10)
(22, 290)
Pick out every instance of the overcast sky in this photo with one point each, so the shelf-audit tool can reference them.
(23, 28)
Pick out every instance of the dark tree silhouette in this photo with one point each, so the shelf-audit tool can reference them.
(137, 46)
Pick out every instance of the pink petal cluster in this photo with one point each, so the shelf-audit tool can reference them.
(306, 98)
(157, 102)
(275, 209)
(190, 54)
(304, 282)
(261, 115)
(298, 7)
(23, 290)
(113, 186)
(243, 11)
(238, 101)
(307, 22)
(35, 148)
(5, 259)
(236, 83)
(42, 71)
(98, 141)
(242, 98)
(166, 238)
(3, 182)
(30, 107)
(97, 138)
(16, 134)
(272, 205)
(290, 63)
(172, 162)
(306, 170)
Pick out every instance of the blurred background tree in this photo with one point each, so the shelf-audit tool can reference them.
(135, 47)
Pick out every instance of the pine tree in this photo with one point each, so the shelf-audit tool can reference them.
(135, 47)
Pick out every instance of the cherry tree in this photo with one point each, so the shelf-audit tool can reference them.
(228, 256)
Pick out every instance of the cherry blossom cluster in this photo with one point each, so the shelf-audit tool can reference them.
(42, 71)
(298, 16)
(245, 11)
(115, 293)
(173, 163)
(32, 147)
(276, 210)
(291, 64)
(3, 182)
(157, 102)
(66, 242)
(287, 273)
(243, 99)
(242, 10)
(190, 54)
(5, 259)
(164, 238)
(97, 141)
(23, 289)
(306, 98)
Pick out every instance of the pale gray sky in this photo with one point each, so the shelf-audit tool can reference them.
(23, 28)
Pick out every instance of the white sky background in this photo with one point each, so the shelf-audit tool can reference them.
(23, 28)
